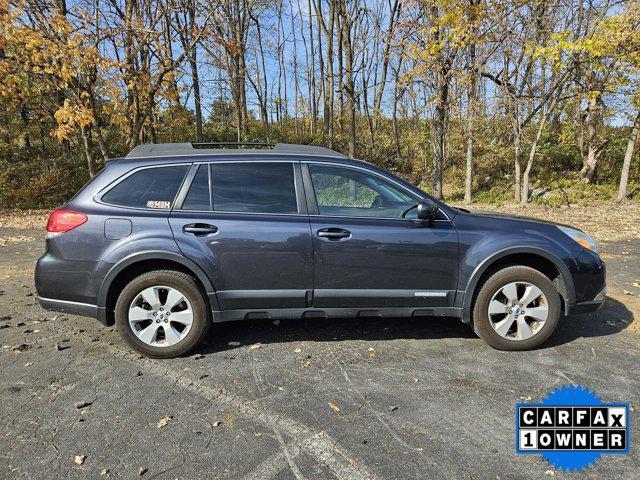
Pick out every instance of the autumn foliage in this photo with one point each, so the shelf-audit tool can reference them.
(471, 98)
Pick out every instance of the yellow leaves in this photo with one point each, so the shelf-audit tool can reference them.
(69, 117)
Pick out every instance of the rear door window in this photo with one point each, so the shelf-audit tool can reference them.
(154, 187)
(253, 188)
(199, 197)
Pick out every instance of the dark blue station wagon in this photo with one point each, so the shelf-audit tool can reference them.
(175, 237)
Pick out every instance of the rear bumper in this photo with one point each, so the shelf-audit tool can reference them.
(73, 308)
(590, 305)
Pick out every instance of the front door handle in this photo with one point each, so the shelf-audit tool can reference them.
(334, 233)
(200, 229)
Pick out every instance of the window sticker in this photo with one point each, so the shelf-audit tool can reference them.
(159, 204)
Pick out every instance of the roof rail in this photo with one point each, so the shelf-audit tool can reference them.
(222, 148)
(231, 144)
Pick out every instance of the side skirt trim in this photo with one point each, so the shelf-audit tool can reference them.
(297, 313)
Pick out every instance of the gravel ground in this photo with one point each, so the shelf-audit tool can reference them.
(313, 399)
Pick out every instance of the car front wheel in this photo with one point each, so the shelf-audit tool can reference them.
(162, 314)
(517, 308)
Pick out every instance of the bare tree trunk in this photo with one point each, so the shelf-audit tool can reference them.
(341, 72)
(312, 77)
(517, 144)
(594, 148)
(329, 87)
(296, 83)
(468, 180)
(323, 81)
(24, 117)
(524, 199)
(396, 7)
(628, 155)
(439, 131)
(524, 194)
(471, 116)
(347, 23)
(193, 63)
(262, 91)
(397, 96)
(85, 133)
(97, 128)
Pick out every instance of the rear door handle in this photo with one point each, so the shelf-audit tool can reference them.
(200, 229)
(334, 233)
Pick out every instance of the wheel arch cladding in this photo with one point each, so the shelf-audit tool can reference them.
(121, 273)
(538, 259)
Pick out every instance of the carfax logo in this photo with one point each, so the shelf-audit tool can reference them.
(572, 428)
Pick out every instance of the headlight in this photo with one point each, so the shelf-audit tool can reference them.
(580, 237)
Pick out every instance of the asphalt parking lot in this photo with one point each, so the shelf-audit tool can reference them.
(313, 399)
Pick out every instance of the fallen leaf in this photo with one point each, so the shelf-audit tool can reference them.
(297, 350)
(142, 471)
(627, 292)
(23, 347)
(28, 364)
(255, 346)
(276, 322)
(80, 405)
(79, 459)
(104, 471)
(393, 408)
(334, 407)
(636, 284)
(234, 344)
(164, 421)
(217, 423)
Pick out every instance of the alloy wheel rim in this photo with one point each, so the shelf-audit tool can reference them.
(518, 311)
(160, 316)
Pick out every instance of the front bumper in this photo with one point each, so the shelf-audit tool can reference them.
(590, 305)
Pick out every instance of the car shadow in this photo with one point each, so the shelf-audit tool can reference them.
(226, 336)
(611, 319)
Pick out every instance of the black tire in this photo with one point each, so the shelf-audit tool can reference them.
(169, 278)
(482, 324)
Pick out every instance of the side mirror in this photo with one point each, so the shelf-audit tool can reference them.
(427, 211)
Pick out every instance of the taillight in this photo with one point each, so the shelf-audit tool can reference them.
(62, 221)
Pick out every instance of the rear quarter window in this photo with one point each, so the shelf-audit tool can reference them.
(152, 187)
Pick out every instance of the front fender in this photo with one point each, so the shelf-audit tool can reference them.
(482, 267)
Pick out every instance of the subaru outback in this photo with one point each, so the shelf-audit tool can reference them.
(176, 237)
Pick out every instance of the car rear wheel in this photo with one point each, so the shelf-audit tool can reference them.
(162, 314)
(517, 308)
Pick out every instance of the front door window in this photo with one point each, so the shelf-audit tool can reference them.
(348, 192)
